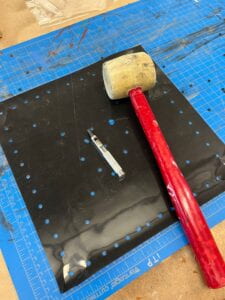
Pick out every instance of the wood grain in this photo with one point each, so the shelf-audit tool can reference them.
(18, 24)
(7, 290)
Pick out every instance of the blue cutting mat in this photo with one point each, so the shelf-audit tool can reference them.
(186, 39)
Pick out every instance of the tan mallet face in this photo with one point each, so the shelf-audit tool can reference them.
(126, 72)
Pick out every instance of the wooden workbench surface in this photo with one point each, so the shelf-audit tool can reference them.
(176, 278)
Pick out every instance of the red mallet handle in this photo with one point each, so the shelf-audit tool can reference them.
(186, 206)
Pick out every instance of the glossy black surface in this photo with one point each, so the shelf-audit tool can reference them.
(76, 204)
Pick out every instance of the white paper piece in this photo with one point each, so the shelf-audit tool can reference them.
(58, 11)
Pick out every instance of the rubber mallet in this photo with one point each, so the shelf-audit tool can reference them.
(130, 75)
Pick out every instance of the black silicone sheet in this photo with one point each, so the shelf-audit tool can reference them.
(84, 215)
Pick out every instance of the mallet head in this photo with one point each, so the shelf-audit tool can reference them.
(126, 72)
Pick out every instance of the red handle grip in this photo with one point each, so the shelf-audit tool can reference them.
(186, 206)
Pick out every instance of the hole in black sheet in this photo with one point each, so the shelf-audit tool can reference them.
(84, 215)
